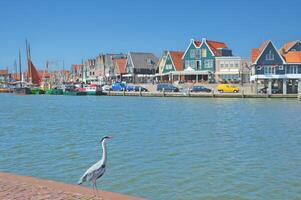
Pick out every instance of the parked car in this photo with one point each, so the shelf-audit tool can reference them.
(106, 88)
(135, 88)
(200, 88)
(167, 87)
(266, 89)
(118, 86)
(227, 88)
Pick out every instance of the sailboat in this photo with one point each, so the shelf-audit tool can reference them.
(21, 89)
(33, 75)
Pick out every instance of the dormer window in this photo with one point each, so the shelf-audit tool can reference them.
(149, 61)
(270, 56)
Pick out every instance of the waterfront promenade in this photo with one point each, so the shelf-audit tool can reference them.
(22, 187)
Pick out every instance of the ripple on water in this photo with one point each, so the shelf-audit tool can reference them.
(163, 148)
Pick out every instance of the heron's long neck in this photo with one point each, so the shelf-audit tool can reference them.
(104, 151)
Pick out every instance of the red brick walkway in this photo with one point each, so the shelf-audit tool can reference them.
(23, 188)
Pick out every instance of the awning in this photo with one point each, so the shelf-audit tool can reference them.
(127, 75)
(145, 75)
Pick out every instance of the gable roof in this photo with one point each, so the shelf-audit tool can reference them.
(293, 57)
(176, 58)
(139, 60)
(287, 46)
(256, 53)
(121, 64)
(213, 46)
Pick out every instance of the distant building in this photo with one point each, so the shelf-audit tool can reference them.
(140, 67)
(119, 68)
(105, 67)
(274, 68)
(4, 76)
(76, 73)
(232, 69)
(170, 66)
(199, 59)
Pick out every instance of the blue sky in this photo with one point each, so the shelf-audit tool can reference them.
(72, 30)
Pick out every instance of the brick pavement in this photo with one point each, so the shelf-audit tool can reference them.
(13, 187)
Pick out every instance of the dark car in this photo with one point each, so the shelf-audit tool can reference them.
(265, 90)
(167, 87)
(135, 88)
(200, 88)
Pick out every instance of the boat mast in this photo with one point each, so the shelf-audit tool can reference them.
(20, 68)
(28, 61)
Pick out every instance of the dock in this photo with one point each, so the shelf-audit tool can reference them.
(199, 95)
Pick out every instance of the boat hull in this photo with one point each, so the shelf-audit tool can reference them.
(55, 92)
(22, 91)
(94, 93)
(73, 93)
(37, 91)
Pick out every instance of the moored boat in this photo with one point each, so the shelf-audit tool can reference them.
(54, 91)
(37, 91)
(93, 89)
(22, 90)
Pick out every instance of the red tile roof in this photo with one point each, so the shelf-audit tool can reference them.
(287, 46)
(256, 52)
(121, 64)
(197, 43)
(3, 71)
(213, 45)
(176, 57)
(293, 57)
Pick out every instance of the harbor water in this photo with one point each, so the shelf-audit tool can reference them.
(162, 148)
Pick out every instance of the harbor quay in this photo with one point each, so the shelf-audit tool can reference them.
(22, 187)
(270, 70)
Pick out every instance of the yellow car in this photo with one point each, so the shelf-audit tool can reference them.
(227, 88)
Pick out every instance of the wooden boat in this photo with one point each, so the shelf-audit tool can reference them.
(22, 90)
(4, 90)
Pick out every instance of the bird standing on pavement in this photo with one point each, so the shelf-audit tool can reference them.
(98, 169)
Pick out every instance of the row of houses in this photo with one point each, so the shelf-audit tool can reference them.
(203, 61)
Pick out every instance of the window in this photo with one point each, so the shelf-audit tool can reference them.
(270, 55)
(222, 65)
(198, 53)
(168, 67)
(236, 65)
(269, 70)
(208, 63)
(192, 64)
(186, 63)
(149, 61)
(192, 53)
(292, 69)
(204, 53)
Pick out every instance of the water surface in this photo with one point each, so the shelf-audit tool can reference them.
(163, 148)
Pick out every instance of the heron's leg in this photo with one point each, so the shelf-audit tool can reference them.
(99, 197)
(93, 183)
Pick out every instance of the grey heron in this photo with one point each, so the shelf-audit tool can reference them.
(98, 169)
